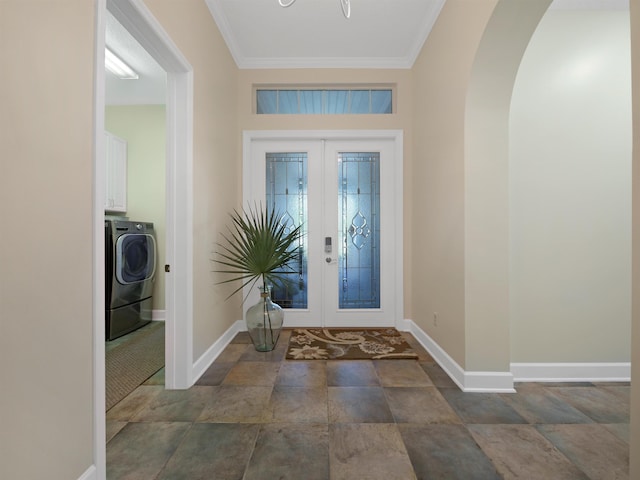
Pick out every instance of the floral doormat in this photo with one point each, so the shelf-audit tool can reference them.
(348, 344)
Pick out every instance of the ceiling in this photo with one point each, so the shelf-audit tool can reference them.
(307, 34)
(315, 33)
(150, 87)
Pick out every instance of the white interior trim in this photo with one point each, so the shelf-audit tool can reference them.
(572, 372)
(491, 382)
(207, 358)
(497, 382)
(142, 25)
(98, 469)
(589, 5)
(396, 136)
(90, 474)
(139, 21)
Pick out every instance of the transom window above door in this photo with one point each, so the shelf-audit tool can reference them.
(328, 101)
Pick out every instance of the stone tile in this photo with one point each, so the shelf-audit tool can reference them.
(371, 451)
(536, 405)
(352, 373)
(298, 404)
(125, 409)
(593, 448)
(261, 374)
(285, 335)
(212, 450)
(275, 355)
(303, 374)
(112, 428)
(289, 420)
(232, 353)
(290, 451)
(234, 403)
(358, 405)
(611, 384)
(215, 374)
(623, 392)
(155, 379)
(401, 373)
(447, 452)
(599, 404)
(175, 405)
(140, 450)
(241, 337)
(480, 407)
(419, 405)
(521, 452)
(423, 355)
(558, 384)
(437, 375)
(620, 430)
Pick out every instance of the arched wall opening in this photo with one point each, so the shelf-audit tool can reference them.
(486, 178)
(548, 196)
(570, 195)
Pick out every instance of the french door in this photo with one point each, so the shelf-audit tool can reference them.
(343, 193)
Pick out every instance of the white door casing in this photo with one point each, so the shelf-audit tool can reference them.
(322, 149)
(139, 21)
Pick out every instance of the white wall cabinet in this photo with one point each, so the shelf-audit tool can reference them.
(116, 175)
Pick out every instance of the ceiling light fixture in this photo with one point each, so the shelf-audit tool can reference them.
(116, 66)
(344, 4)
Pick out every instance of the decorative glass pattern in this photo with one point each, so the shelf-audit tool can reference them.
(286, 190)
(359, 227)
(326, 101)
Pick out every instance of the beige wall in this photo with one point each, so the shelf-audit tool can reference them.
(635, 328)
(216, 158)
(487, 322)
(461, 261)
(46, 133)
(440, 80)
(46, 308)
(400, 120)
(570, 191)
(144, 129)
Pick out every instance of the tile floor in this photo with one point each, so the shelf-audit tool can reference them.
(257, 416)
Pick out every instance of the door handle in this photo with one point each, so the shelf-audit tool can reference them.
(328, 259)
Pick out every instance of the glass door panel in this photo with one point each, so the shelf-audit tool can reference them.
(359, 230)
(286, 192)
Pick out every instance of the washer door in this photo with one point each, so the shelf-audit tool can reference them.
(135, 258)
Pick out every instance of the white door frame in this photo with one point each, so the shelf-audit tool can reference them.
(138, 20)
(396, 136)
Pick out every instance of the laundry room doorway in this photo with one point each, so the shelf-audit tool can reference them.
(177, 270)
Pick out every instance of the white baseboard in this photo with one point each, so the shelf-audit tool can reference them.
(520, 372)
(571, 372)
(90, 474)
(493, 382)
(158, 315)
(404, 325)
(207, 358)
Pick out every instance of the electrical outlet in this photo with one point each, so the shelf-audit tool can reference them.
(435, 319)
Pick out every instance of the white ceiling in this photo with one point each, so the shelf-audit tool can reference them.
(315, 33)
(308, 34)
(150, 88)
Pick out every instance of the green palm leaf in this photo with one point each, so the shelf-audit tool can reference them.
(257, 247)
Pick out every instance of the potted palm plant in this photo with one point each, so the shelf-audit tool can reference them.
(258, 250)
